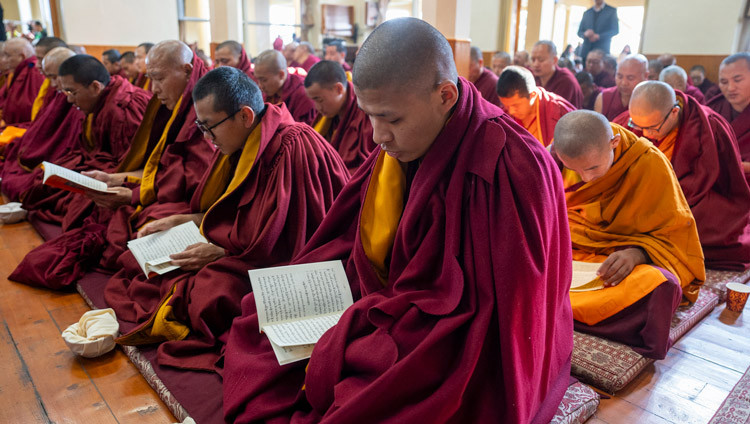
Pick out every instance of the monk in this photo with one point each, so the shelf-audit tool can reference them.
(667, 59)
(51, 137)
(677, 78)
(654, 69)
(629, 214)
(156, 179)
(288, 53)
(44, 46)
(304, 56)
(552, 77)
(595, 66)
(706, 86)
(23, 84)
(127, 61)
(142, 81)
(613, 101)
(281, 86)
(268, 168)
(455, 243)
(588, 88)
(521, 58)
(340, 120)
(111, 60)
(336, 51)
(704, 154)
(535, 108)
(231, 53)
(500, 60)
(734, 102)
(483, 79)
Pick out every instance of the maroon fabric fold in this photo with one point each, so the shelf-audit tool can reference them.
(309, 62)
(293, 95)
(740, 123)
(17, 100)
(604, 80)
(474, 324)
(565, 84)
(486, 84)
(552, 107)
(696, 93)
(612, 106)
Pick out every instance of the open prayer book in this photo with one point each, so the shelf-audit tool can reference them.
(585, 278)
(152, 251)
(65, 179)
(298, 303)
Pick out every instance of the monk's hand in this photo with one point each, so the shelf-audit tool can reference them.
(113, 199)
(163, 224)
(620, 264)
(746, 167)
(196, 256)
(112, 180)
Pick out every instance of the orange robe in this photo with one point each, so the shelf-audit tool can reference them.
(637, 203)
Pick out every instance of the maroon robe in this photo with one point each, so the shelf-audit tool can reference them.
(103, 236)
(117, 116)
(52, 136)
(346, 67)
(17, 100)
(588, 102)
(709, 89)
(707, 162)
(309, 62)
(351, 134)
(694, 91)
(564, 83)
(740, 123)
(141, 80)
(487, 86)
(551, 108)
(289, 189)
(604, 80)
(474, 324)
(293, 94)
(612, 106)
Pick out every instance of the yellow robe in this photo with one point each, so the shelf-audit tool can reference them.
(638, 202)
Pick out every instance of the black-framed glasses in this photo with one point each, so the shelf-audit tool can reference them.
(208, 130)
(655, 128)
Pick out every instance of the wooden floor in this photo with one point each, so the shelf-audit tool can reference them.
(41, 381)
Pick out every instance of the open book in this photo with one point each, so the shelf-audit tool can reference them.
(585, 278)
(152, 251)
(298, 303)
(65, 179)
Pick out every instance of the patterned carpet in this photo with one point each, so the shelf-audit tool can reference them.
(736, 407)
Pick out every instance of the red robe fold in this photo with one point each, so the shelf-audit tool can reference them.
(706, 160)
(52, 136)
(696, 93)
(612, 106)
(293, 94)
(604, 80)
(289, 189)
(474, 324)
(487, 86)
(350, 135)
(245, 65)
(17, 99)
(740, 123)
(309, 62)
(564, 83)
(102, 237)
(551, 108)
(709, 89)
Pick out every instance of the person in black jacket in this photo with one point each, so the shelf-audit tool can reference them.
(598, 25)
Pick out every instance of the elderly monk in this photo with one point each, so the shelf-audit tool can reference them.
(613, 101)
(535, 108)
(500, 60)
(156, 179)
(51, 137)
(336, 52)
(231, 53)
(268, 168)
(455, 243)
(629, 214)
(281, 86)
(304, 55)
(677, 78)
(706, 86)
(521, 58)
(704, 154)
(340, 120)
(595, 66)
(142, 81)
(734, 102)
(588, 88)
(483, 79)
(552, 77)
(127, 61)
(288, 53)
(111, 60)
(17, 96)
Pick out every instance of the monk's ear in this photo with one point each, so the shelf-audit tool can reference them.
(615, 141)
(188, 68)
(98, 87)
(448, 94)
(248, 116)
(339, 88)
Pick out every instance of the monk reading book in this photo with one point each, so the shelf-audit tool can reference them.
(629, 214)
(455, 243)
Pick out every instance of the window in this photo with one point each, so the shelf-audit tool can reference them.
(264, 21)
(195, 24)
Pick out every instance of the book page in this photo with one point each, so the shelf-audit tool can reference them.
(301, 332)
(68, 178)
(287, 355)
(288, 293)
(152, 252)
(585, 277)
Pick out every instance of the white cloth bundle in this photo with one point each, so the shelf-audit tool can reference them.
(10, 213)
(94, 335)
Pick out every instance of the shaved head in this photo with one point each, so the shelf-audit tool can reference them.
(652, 95)
(654, 109)
(636, 60)
(667, 60)
(581, 131)
(500, 61)
(270, 71)
(232, 46)
(404, 52)
(170, 53)
(475, 54)
(19, 46)
(674, 76)
(169, 65)
(51, 64)
(273, 60)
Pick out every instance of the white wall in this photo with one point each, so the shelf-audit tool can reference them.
(691, 27)
(119, 22)
(485, 24)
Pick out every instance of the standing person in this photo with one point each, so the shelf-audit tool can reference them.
(3, 35)
(598, 25)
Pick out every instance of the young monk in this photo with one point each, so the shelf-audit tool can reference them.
(142, 81)
(268, 169)
(629, 214)
(455, 243)
(535, 108)
(704, 154)
(231, 53)
(156, 179)
(340, 120)
(280, 86)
